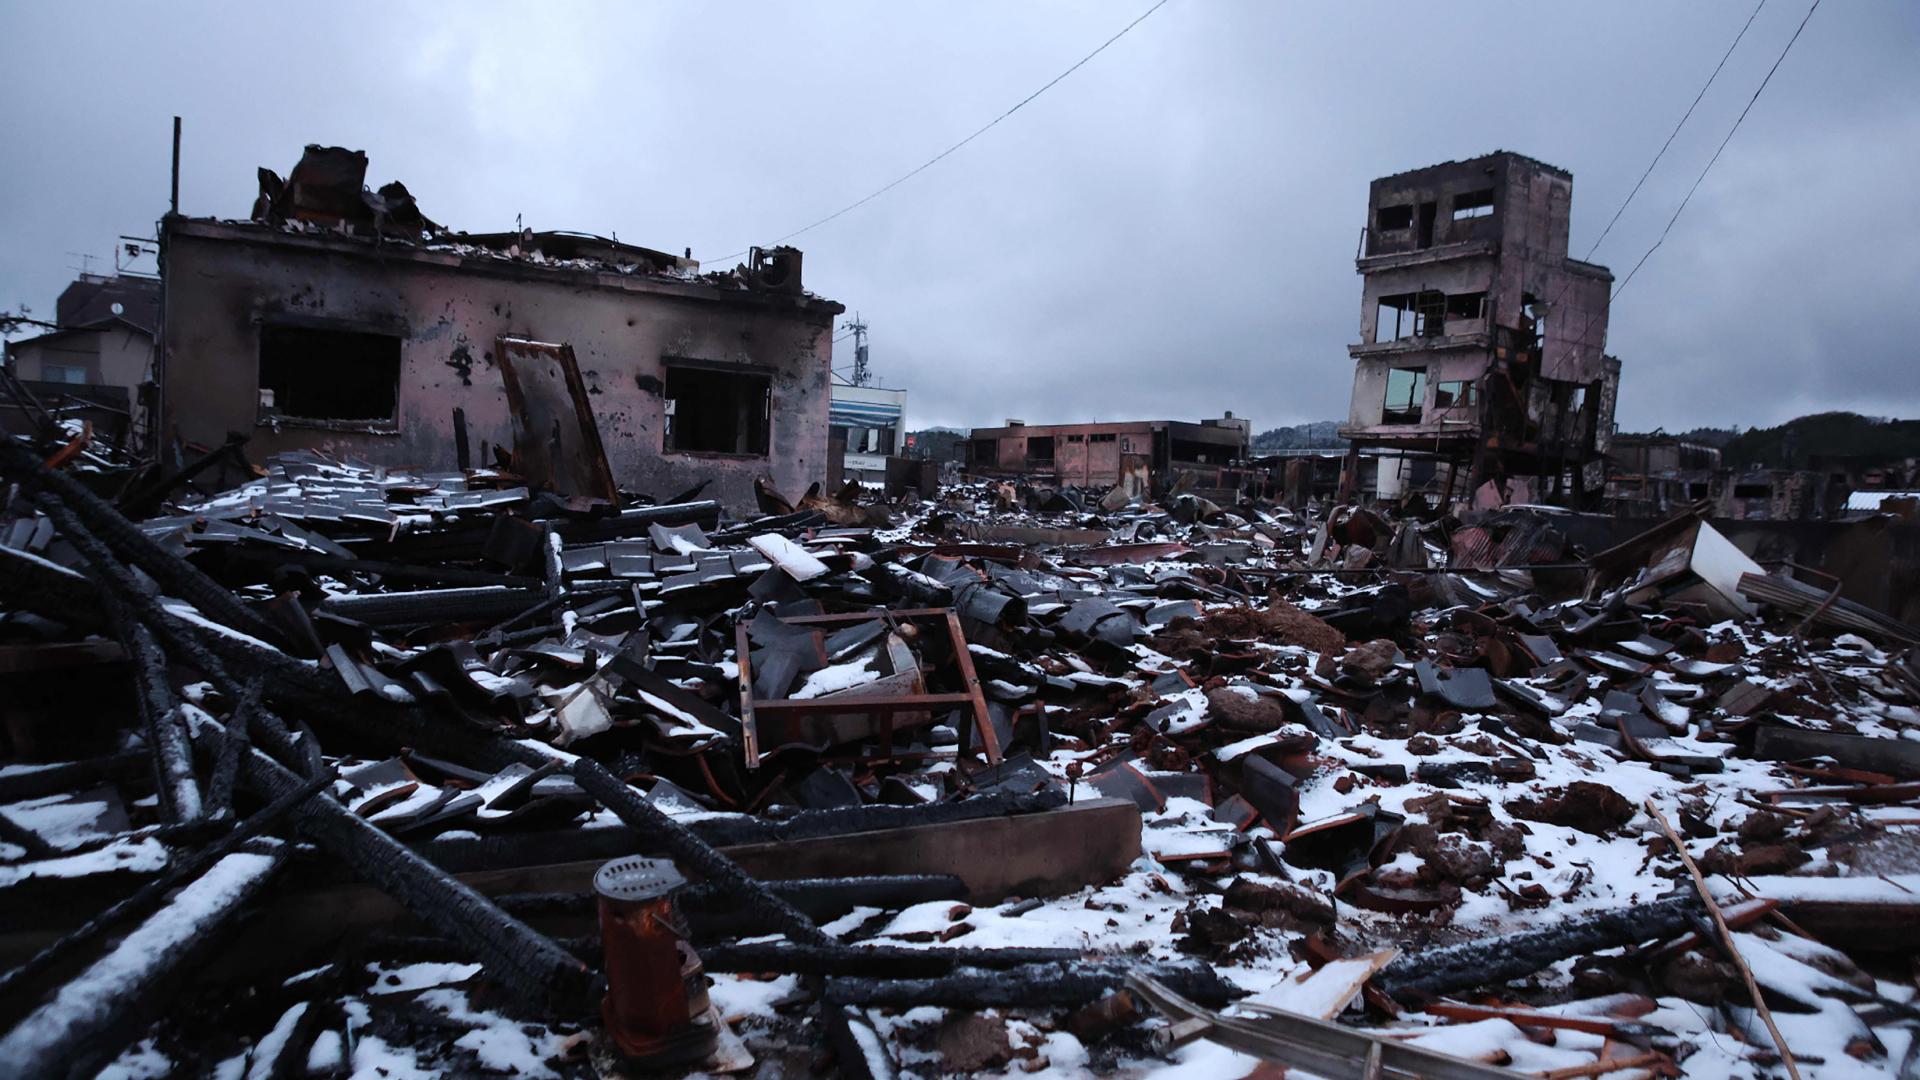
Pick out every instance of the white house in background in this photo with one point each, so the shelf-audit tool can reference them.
(871, 423)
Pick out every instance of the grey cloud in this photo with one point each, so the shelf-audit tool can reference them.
(1168, 232)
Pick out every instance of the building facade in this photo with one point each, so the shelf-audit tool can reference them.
(316, 328)
(1146, 455)
(1482, 342)
(100, 359)
(870, 424)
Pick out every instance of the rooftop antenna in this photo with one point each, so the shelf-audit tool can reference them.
(861, 375)
(86, 262)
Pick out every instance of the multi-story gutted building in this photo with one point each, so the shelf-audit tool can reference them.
(1481, 362)
(339, 318)
(1143, 454)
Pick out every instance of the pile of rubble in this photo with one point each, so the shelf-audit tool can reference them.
(345, 771)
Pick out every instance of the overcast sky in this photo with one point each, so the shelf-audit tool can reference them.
(1169, 232)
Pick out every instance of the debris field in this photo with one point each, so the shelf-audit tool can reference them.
(357, 771)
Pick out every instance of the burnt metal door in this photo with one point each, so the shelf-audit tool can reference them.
(556, 441)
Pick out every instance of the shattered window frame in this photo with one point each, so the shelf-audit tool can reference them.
(1472, 205)
(1405, 398)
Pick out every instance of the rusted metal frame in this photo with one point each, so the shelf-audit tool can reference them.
(973, 696)
(589, 429)
(989, 740)
(749, 735)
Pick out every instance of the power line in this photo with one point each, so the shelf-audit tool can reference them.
(1622, 287)
(935, 159)
(1676, 130)
(1719, 150)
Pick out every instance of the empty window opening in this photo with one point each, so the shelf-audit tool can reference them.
(1107, 437)
(1752, 491)
(1474, 204)
(1394, 319)
(1406, 394)
(984, 451)
(314, 374)
(718, 412)
(1040, 450)
(1428, 211)
(1471, 305)
(1394, 218)
(1076, 438)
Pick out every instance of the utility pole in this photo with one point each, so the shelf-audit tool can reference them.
(861, 374)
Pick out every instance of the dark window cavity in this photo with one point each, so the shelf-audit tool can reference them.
(1394, 218)
(718, 412)
(311, 374)
(1040, 450)
(985, 451)
(1471, 305)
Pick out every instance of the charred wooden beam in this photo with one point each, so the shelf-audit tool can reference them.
(712, 913)
(527, 963)
(177, 576)
(124, 600)
(145, 897)
(174, 781)
(1451, 968)
(689, 850)
(33, 781)
(263, 560)
(143, 498)
(873, 961)
(1055, 985)
(92, 1018)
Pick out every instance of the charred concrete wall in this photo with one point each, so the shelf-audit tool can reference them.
(230, 285)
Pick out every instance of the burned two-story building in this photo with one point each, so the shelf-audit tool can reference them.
(1481, 370)
(1141, 455)
(340, 318)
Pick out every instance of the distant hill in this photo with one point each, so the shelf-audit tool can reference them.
(1319, 435)
(938, 443)
(1835, 434)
